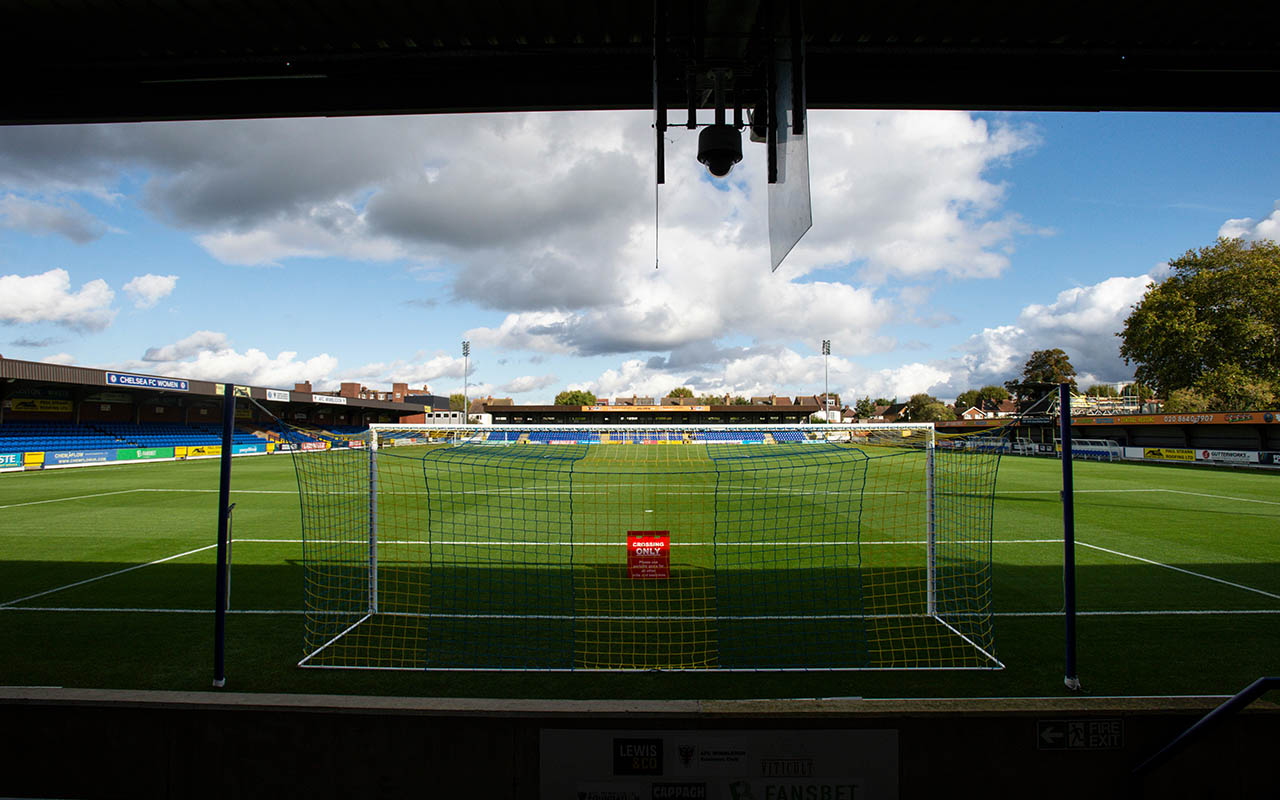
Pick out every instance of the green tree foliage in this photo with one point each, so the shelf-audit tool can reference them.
(457, 402)
(680, 391)
(1044, 369)
(575, 397)
(1102, 390)
(926, 408)
(864, 408)
(739, 400)
(1212, 327)
(711, 400)
(880, 401)
(988, 398)
(966, 400)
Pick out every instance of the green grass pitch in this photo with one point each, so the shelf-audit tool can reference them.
(106, 580)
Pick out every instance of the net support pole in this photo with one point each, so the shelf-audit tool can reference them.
(224, 520)
(1071, 679)
(373, 522)
(931, 577)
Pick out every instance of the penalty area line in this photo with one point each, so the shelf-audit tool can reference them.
(107, 575)
(1180, 569)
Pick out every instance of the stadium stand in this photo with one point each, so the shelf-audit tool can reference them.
(35, 436)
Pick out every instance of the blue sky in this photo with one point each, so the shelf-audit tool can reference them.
(946, 247)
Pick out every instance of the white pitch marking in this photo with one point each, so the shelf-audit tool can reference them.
(1180, 569)
(1220, 497)
(63, 499)
(108, 575)
(1227, 612)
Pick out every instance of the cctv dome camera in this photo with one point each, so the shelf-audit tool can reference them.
(719, 148)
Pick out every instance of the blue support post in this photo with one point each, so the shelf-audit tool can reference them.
(1071, 679)
(224, 515)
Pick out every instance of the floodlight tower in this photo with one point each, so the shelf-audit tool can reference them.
(826, 392)
(466, 355)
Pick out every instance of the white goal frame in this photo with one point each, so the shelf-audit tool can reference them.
(382, 435)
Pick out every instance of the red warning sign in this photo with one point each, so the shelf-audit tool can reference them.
(648, 555)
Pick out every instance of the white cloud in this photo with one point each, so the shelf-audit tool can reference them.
(47, 297)
(1082, 321)
(1253, 230)
(59, 358)
(67, 219)
(147, 290)
(416, 371)
(528, 383)
(208, 355)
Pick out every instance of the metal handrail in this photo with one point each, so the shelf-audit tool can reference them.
(1241, 699)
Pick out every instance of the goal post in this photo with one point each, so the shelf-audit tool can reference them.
(679, 547)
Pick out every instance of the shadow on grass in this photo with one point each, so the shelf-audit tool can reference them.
(1125, 654)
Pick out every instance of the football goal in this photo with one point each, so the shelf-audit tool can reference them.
(825, 547)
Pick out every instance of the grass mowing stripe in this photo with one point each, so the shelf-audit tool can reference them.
(1180, 569)
(107, 575)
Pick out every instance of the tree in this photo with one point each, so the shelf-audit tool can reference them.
(966, 401)
(864, 408)
(880, 401)
(926, 408)
(990, 397)
(1043, 370)
(457, 402)
(739, 400)
(1102, 390)
(680, 391)
(1212, 326)
(575, 397)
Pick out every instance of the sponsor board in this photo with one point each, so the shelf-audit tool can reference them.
(204, 450)
(33, 459)
(147, 382)
(1169, 453)
(313, 446)
(737, 764)
(10, 460)
(328, 398)
(62, 457)
(1228, 456)
(247, 449)
(143, 453)
(278, 395)
(648, 555)
(44, 404)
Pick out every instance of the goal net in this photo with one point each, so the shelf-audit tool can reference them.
(676, 548)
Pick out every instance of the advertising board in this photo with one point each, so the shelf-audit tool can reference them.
(204, 450)
(44, 404)
(63, 457)
(1169, 453)
(1228, 456)
(247, 449)
(278, 395)
(10, 460)
(143, 453)
(147, 382)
